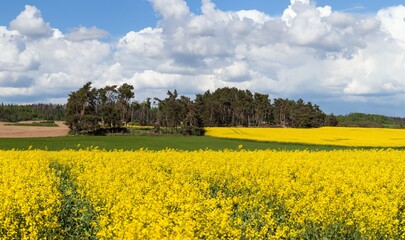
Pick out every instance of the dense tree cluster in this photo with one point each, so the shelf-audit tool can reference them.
(16, 113)
(178, 114)
(143, 113)
(89, 109)
(234, 107)
(227, 107)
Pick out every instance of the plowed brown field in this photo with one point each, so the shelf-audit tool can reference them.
(28, 131)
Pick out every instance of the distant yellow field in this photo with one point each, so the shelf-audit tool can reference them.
(373, 137)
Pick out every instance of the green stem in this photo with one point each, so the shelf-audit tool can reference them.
(77, 218)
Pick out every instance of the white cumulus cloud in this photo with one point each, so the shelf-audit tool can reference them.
(393, 22)
(30, 23)
(15, 56)
(176, 9)
(85, 34)
(325, 56)
(147, 42)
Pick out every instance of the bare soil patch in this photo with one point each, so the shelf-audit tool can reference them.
(31, 131)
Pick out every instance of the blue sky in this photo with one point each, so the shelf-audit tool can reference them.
(120, 17)
(332, 53)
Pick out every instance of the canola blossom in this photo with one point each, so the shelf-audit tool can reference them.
(204, 194)
(337, 136)
(29, 199)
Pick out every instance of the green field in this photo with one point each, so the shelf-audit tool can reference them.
(127, 142)
(35, 124)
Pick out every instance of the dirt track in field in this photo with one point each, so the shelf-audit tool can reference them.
(30, 132)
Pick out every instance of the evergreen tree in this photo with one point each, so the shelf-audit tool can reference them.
(81, 115)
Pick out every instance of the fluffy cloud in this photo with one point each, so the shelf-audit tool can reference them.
(310, 51)
(85, 34)
(146, 43)
(14, 54)
(30, 23)
(331, 58)
(235, 72)
(40, 63)
(393, 22)
(257, 17)
(176, 9)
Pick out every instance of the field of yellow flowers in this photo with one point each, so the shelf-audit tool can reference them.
(337, 136)
(355, 194)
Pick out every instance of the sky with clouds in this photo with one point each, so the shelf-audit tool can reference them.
(346, 57)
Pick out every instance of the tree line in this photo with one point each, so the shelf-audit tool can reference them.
(111, 107)
(234, 107)
(370, 120)
(16, 113)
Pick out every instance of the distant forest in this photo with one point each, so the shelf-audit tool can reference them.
(370, 120)
(16, 113)
(112, 107)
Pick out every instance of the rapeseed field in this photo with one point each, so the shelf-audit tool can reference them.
(336, 136)
(355, 194)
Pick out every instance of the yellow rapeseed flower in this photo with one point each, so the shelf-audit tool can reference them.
(209, 194)
(338, 136)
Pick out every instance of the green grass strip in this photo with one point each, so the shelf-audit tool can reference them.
(128, 142)
(34, 124)
(77, 218)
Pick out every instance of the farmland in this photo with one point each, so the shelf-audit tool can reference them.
(336, 136)
(171, 194)
(168, 187)
(24, 137)
(27, 129)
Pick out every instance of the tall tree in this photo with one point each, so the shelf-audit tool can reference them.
(81, 114)
(263, 112)
(125, 94)
(109, 112)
